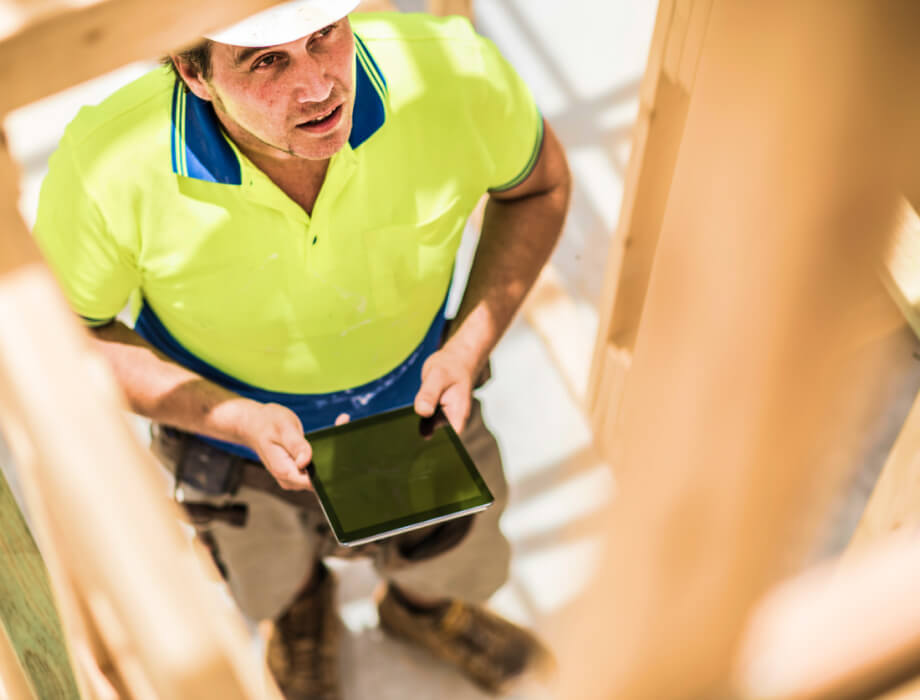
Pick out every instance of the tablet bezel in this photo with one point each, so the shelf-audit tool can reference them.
(395, 526)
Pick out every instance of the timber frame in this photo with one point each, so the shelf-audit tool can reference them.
(719, 431)
(90, 610)
(709, 419)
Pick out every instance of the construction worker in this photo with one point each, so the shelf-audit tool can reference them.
(280, 208)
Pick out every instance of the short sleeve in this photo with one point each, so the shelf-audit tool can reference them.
(508, 119)
(97, 274)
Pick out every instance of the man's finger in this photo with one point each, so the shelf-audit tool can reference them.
(426, 401)
(286, 471)
(296, 445)
(429, 424)
(456, 405)
(342, 419)
(294, 481)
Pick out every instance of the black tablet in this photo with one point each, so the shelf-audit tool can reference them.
(380, 476)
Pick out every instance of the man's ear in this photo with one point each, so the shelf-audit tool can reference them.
(192, 78)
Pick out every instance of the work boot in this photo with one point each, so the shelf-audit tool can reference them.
(304, 644)
(490, 650)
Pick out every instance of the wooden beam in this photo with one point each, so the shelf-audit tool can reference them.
(693, 43)
(553, 315)
(746, 363)
(14, 685)
(122, 555)
(663, 104)
(838, 632)
(677, 33)
(464, 8)
(27, 609)
(48, 46)
(907, 691)
(377, 6)
(901, 269)
(895, 502)
(648, 183)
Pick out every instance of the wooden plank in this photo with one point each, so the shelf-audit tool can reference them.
(464, 8)
(693, 43)
(677, 35)
(848, 631)
(64, 43)
(744, 366)
(169, 634)
(908, 691)
(657, 129)
(376, 6)
(152, 605)
(551, 312)
(649, 85)
(14, 684)
(895, 501)
(27, 609)
(596, 418)
(901, 270)
(606, 426)
(633, 248)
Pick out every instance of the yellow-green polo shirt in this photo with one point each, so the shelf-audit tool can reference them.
(146, 195)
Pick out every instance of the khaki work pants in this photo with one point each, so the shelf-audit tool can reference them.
(267, 560)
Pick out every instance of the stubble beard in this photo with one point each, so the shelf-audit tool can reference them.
(289, 148)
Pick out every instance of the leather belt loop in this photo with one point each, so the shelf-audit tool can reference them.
(182, 437)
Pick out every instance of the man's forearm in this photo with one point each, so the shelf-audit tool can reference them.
(167, 392)
(517, 239)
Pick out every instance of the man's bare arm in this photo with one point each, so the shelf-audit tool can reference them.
(168, 393)
(519, 230)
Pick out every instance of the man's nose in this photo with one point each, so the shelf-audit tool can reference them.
(310, 82)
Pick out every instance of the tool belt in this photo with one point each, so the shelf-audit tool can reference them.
(216, 472)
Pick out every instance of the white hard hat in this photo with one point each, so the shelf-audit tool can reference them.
(284, 22)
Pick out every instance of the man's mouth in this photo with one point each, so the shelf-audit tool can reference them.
(324, 120)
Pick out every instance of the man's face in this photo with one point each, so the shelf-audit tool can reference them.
(295, 98)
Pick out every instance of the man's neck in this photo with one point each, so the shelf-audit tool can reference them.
(299, 178)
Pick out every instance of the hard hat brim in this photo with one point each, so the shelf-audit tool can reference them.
(284, 23)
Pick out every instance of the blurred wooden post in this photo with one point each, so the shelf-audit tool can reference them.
(376, 6)
(664, 97)
(848, 631)
(451, 7)
(65, 43)
(140, 616)
(895, 501)
(745, 364)
(30, 623)
(14, 685)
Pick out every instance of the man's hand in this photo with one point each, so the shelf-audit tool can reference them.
(275, 433)
(447, 380)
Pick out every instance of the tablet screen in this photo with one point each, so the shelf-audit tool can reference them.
(378, 475)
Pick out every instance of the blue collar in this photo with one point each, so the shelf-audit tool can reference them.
(201, 151)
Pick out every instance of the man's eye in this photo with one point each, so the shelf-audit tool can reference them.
(322, 33)
(264, 62)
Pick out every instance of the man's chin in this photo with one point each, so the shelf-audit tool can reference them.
(319, 149)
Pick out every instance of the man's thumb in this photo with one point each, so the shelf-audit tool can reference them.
(297, 447)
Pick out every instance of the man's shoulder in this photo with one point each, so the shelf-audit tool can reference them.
(129, 120)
